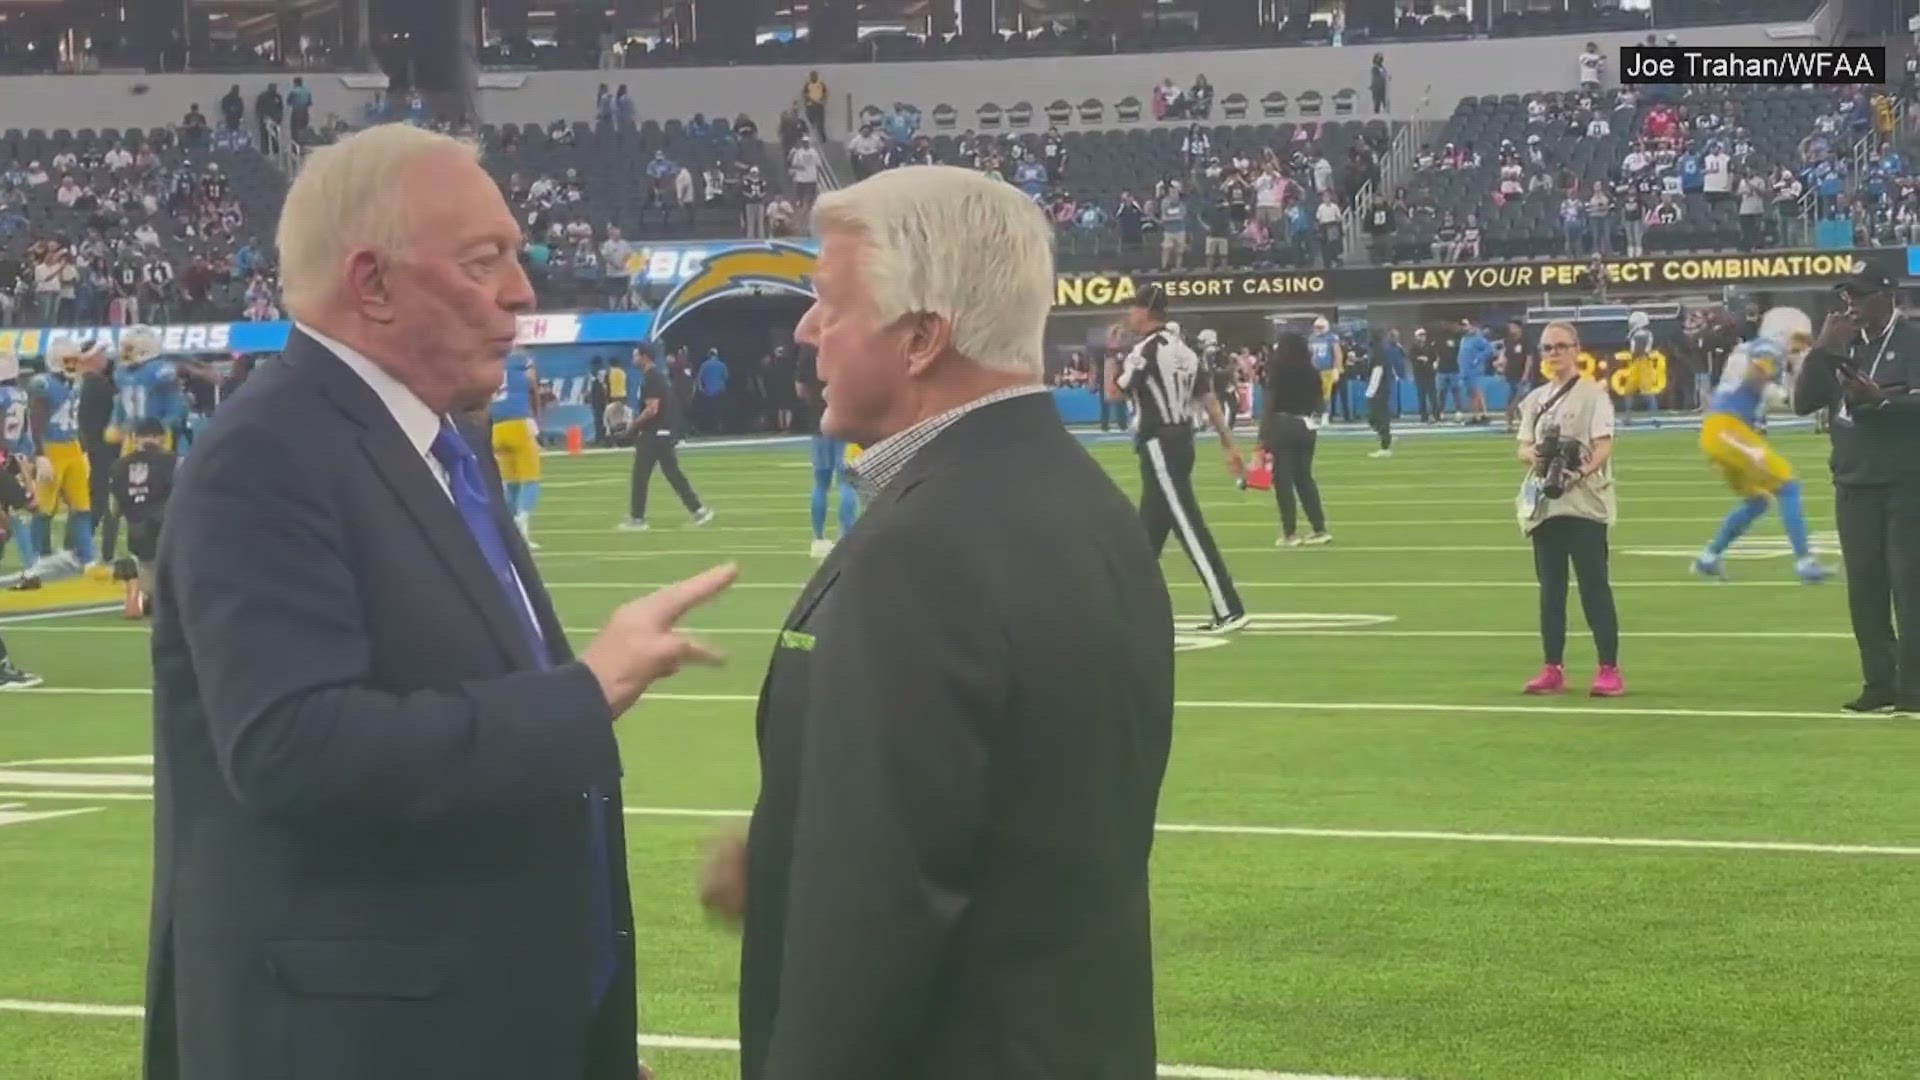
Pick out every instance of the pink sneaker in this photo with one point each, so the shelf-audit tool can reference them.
(1607, 682)
(1551, 680)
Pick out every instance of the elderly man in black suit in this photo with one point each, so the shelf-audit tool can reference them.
(387, 820)
(946, 873)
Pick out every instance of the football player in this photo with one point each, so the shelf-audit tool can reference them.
(14, 496)
(830, 458)
(16, 439)
(516, 440)
(1640, 365)
(1730, 437)
(1323, 345)
(64, 476)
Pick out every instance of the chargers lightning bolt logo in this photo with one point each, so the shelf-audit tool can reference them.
(755, 267)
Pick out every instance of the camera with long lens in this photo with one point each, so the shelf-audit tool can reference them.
(1559, 465)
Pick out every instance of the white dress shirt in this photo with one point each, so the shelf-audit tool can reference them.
(417, 420)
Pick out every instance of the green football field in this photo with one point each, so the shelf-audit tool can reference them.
(1377, 858)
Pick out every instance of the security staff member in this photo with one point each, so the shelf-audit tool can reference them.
(1866, 366)
(1165, 380)
(96, 415)
(657, 431)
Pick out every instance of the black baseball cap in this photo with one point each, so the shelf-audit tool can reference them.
(149, 429)
(1154, 299)
(1867, 283)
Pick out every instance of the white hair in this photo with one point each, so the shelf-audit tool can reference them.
(347, 196)
(950, 242)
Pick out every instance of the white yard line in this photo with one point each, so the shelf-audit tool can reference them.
(668, 1042)
(1252, 706)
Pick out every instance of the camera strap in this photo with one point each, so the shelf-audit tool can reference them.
(1552, 402)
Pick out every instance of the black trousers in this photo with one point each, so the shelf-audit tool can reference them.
(1381, 418)
(1291, 442)
(1583, 542)
(1426, 388)
(101, 457)
(1167, 505)
(648, 453)
(1880, 546)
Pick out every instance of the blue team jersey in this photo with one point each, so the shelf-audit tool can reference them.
(16, 421)
(149, 391)
(514, 399)
(62, 400)
(1320, 347)
(1742, 401)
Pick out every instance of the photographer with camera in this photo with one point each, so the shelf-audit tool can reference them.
(1866, 367)
(1566, 505)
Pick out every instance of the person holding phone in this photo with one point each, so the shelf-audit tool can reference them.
(1865, 366)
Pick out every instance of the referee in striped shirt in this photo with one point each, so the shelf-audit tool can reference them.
(1165, 380)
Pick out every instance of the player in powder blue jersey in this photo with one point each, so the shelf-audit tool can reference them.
(16, 438)
(830, 458)
(1730, 437)
(515, 413)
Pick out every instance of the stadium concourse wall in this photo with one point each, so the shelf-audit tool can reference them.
(1430, 70)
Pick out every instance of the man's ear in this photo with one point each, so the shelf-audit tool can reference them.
(928, 336)
(368, 287)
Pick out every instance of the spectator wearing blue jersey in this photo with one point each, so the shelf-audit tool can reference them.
(710, 385)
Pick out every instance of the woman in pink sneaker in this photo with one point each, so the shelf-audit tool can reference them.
(1566, 505)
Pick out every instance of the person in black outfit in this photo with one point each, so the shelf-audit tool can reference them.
(15, 495)
(1425, 359)
(142, 484)
(597, 398)
(1513, 365)
(656, 434)
(1165, 380)
(96, 415)
(1288, 436)
(1381, 380)
(1866, 367)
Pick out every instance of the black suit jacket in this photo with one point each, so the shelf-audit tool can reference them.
(962, 736)
(371, 842)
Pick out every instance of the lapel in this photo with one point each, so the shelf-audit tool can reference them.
(404, 471)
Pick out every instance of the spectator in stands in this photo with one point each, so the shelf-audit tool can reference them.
(685, 194)
(36, 175)
(1172, 218)
(753, 203)
(1377, 82)
(814, 96)
(660, 171)
(864, 148)
(1379, 226)
(1218, 222)
(1327, 222)
(233, 107)
(1446, 239)
(300, 106)
(1666, 212)
(269, 109)
(804, 162)
(623, 112)
(1600, 220)
(781, 215)
(1573, 224)
(1752, 193)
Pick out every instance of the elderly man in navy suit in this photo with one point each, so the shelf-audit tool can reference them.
(387, 820)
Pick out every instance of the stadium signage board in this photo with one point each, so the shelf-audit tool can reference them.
(1380, 283)
(673, 264)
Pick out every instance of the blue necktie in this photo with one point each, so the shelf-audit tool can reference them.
(469, 492)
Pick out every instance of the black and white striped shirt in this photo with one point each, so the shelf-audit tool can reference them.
(1163, 376)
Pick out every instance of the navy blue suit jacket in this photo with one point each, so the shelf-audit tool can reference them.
(370, 832)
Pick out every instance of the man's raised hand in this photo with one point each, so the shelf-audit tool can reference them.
(641, 642)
